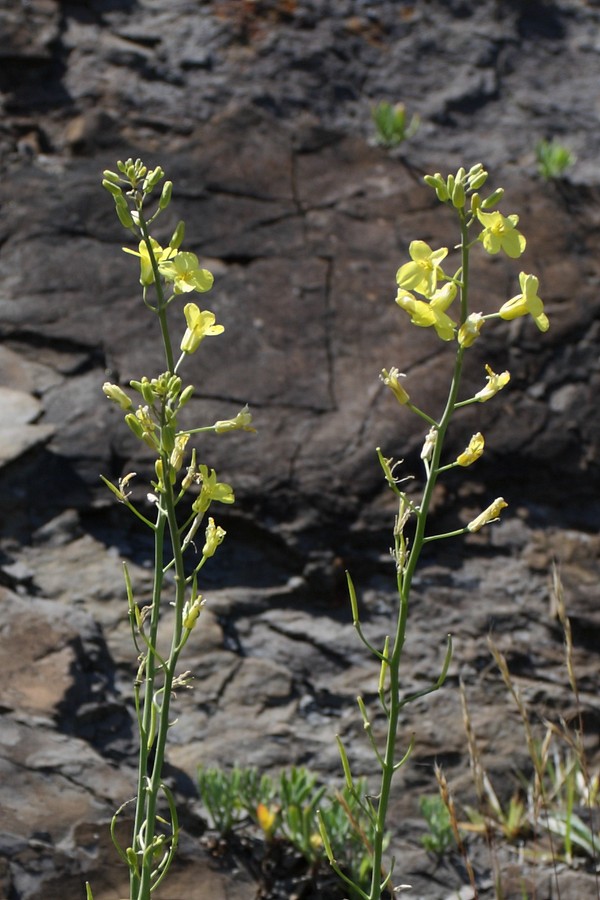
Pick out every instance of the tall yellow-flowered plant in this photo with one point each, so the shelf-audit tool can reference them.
(433, 297)
(180, 497)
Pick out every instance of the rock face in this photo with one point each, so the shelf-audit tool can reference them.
(260, 114)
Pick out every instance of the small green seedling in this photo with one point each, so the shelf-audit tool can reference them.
(391, 125)
(440, 837)
(553, 159)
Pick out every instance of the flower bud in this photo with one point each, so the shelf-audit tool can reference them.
(136, 426)
(458, 195)
(178, 235)
(123, 212)
(147, 391)
(152, 179)
(439, 185)
(476, 177)
(475, 203)
(117, 394)
(434, 181)
(156, 175)
(168, 438)
(165, 197)
(173, 386)
(186, 395)
(111, 187)
(493, 199)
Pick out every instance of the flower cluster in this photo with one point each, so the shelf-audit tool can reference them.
(180, 498)
(435, 298)
(423, 272)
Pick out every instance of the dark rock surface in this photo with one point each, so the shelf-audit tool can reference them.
(260, 114)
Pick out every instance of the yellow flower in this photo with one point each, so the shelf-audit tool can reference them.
(500, 233)
(472, 453)
(488, 515)
(200, 323)
(185, 273)
(421, 274)
(191, 611)
(214, 537)
(390, 379)
(211, 490)
(267, 819)
(143, 425)
(243, 422)
(469, 330)
(161, 256)
(433, 313)
(316, 841)
(527, 302)
(178, 452)
(494, 384)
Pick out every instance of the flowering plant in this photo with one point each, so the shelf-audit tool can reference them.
(153, 417)
(443, 303)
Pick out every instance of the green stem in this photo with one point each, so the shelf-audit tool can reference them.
(148, 788)
(405, 578)
(149, 681)
(161, 306)
(154, 784)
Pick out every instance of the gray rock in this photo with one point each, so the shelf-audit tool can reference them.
(261, 114)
